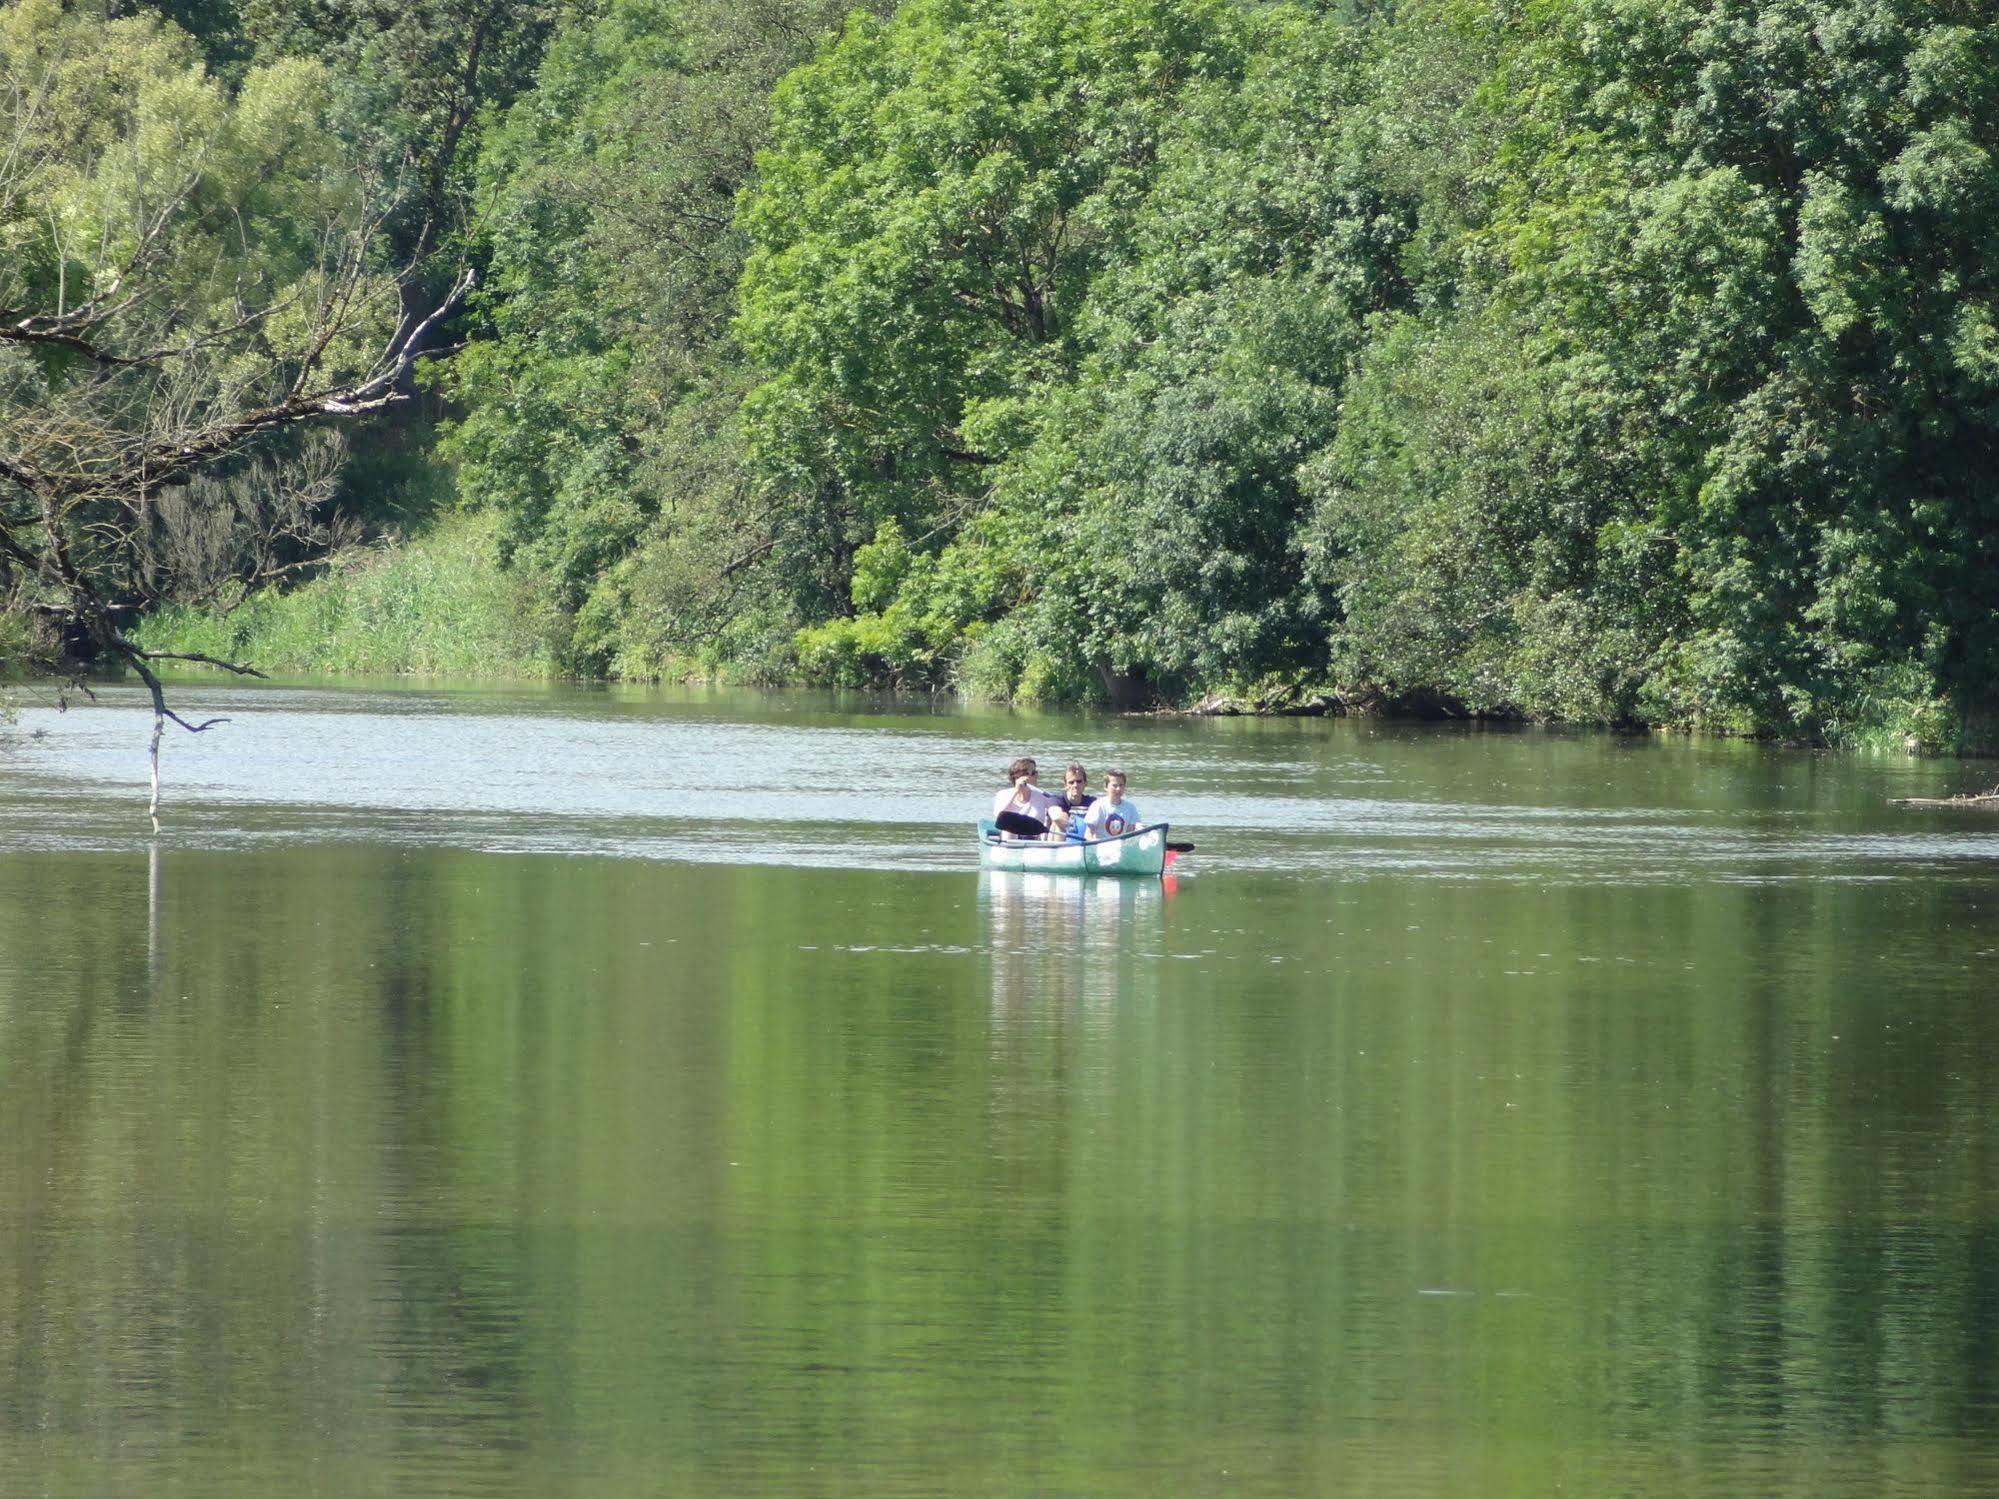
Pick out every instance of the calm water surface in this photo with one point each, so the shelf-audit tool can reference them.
(566, 1092)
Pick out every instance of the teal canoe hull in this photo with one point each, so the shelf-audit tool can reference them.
(1140, 852)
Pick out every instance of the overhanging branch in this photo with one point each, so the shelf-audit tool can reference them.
(165, 463)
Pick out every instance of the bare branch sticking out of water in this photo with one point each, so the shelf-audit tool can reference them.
(1970, 799)
(161, 712)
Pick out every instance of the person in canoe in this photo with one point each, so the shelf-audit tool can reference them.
(1110, 815)
(1075, 800)
(1024, 809)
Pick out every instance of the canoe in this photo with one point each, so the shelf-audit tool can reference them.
(1141, 852)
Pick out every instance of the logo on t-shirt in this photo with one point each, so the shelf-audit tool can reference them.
(1114, 824)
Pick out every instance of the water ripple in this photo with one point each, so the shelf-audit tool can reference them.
(788, 781)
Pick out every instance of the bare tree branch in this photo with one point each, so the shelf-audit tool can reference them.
(236, 666)
(162, 328)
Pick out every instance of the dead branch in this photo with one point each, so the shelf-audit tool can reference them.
(236, 666)
(85, 464)
(756, 553)
(168, 345)
(161, 715)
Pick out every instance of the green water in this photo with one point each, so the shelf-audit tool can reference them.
(522, 1094)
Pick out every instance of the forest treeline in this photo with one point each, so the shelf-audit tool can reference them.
(1601, 361)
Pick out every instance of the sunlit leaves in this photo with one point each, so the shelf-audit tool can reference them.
(1748, 247)
(938, 194)
(1606, 359)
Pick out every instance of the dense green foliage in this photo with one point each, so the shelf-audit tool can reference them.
(1601, 360)
(1710, 438)
(1605, 362)
(1136, 398)
(600, 419)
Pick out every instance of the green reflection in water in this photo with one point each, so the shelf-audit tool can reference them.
(353, 1169)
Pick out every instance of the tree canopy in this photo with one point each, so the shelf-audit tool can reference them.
(1610, 361)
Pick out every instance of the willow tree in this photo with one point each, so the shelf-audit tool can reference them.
(187, 272)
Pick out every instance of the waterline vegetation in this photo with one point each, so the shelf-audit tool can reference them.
(437, 605)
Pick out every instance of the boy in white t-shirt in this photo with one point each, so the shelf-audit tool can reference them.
(1110, 814)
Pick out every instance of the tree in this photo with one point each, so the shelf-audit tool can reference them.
(1699, 429)
(1217, 353)
(186, 272)
(939, 192)
(599, 416)
(414, 84)
(1114, 283)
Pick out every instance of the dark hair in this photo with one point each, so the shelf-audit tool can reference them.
(1114, 771)
(1075, 769)
(1024, 766)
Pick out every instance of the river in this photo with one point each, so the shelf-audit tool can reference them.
(562, 1091)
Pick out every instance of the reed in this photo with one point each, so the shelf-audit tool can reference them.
(437, 605)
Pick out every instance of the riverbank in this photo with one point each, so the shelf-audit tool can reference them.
(1909, 733)
(437, 605)
(442, 605)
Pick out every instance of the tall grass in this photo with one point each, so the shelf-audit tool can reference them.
(15, 635)
(439, 605)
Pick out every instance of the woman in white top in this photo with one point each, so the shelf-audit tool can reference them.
(1024, 809)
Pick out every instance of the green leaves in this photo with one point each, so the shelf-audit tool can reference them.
(600, 413)
(1609, 360)
(1093, 278)
(939, 192)
(1744, 249)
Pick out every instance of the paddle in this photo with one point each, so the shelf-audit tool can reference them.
(1180, 848)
